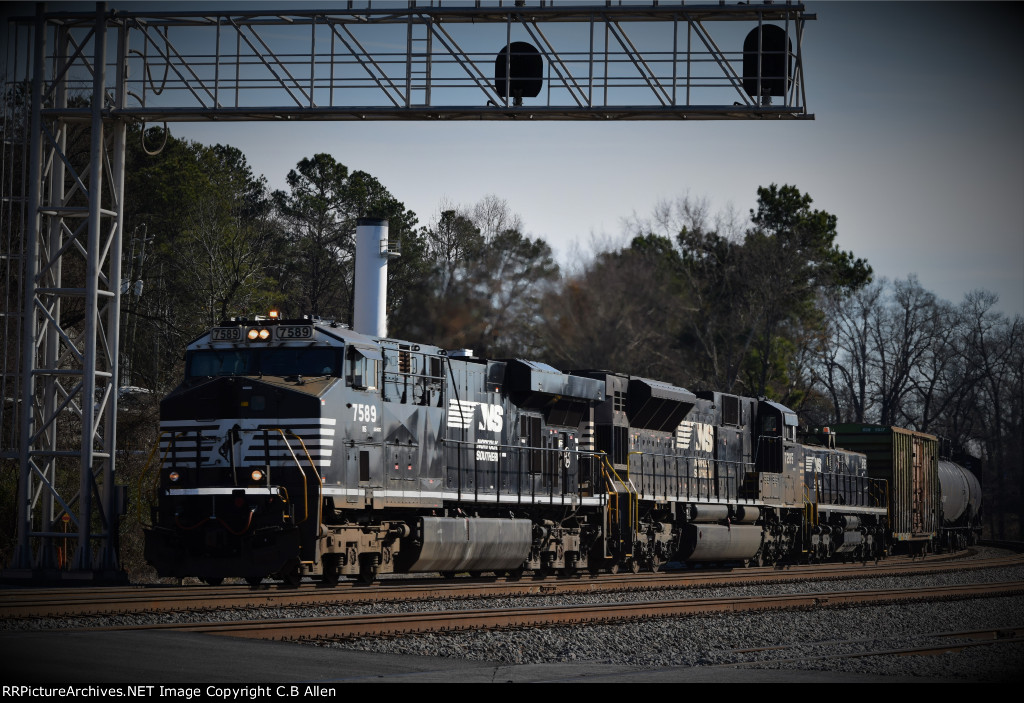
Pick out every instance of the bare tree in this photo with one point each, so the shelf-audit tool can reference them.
(993, 346)
(846, 357)
(492, 216)
(485, 283)
(902, 335)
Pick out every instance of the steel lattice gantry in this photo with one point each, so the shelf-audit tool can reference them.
(78, 78)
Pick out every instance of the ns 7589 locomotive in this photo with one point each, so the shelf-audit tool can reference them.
(302, 448)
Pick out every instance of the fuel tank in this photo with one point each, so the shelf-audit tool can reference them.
(719, 542)
(469, 544)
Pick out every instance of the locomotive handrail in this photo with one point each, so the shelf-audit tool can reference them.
(810, 519)
(302, 472)
(149, 463)
(298, 464)
(717, 465)
(634, 498)
(817, 489)
(519, 450)
(811, 507)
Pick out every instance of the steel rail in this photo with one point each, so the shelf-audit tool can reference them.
(1000, 635)
(421, 622)
(97, 601)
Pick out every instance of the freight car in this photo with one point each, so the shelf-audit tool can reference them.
(305, 448)
(961, 506)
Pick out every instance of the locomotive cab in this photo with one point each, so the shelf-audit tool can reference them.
(243, 445)
(776, 435)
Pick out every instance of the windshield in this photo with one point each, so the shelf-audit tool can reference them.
(281, 361)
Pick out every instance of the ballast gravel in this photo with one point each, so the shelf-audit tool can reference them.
(806, 640)
(809, 640)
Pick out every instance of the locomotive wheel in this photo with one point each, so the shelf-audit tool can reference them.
(332, 571)
(614, 568)
(368, 567)
(292, 577)
(634, 566)
(214, 580)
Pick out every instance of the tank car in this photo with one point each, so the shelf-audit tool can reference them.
(961, 505)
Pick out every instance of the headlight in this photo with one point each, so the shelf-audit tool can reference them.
(257, 475)
(174, 476)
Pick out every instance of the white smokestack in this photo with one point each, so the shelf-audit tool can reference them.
(371, 292)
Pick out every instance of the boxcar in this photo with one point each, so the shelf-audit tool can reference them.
(909, 463)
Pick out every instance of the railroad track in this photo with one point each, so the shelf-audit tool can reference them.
(922, 645)
(421, 622)
(67, 602)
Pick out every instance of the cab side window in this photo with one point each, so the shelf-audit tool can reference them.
(363, 369)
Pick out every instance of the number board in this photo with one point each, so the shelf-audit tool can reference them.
(226, 334)
(286, 332)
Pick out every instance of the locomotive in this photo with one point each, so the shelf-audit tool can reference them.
(303, 447)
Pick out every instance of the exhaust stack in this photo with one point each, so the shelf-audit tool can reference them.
(373, 249)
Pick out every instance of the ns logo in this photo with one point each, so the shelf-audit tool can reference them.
(461, 415)
(491, 417)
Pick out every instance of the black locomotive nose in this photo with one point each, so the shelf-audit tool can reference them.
(242, 397)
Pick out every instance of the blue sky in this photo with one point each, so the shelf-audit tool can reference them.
(917, 147)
